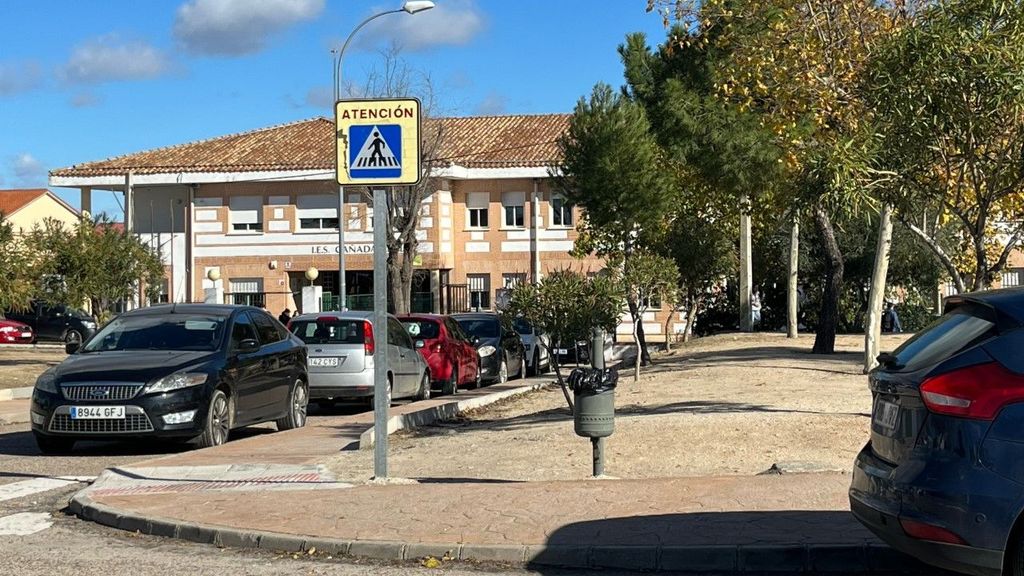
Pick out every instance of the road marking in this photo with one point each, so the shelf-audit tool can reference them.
(36, 485)
(24, 523)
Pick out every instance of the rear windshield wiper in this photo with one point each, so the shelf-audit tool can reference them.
(889, 361)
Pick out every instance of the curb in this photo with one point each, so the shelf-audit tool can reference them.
(32, 346)
(15, 393)
(443, 412)
(818, 558)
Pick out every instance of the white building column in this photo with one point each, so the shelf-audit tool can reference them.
(85, 193)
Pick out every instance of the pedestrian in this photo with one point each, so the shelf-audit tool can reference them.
(285, 316)
(891, 319)
(755, 307)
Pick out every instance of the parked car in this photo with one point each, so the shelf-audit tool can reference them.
(941, 477)
(501, 351)
(56, 322)
(14, 332)
(537, 346)
(184, 371)
(342, 349)
(447, 350)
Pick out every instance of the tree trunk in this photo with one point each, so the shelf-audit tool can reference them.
(668, 328)
(691, 317)
(792, 302)
(825, 337)
(746, 268)
(561, 381)
(940, 255)
(876, 296)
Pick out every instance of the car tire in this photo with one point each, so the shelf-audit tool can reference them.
(451, 386)
(533, 369)
(218, 421)
(72, 335)
(424, 392)
(53, 444)
(298, 406)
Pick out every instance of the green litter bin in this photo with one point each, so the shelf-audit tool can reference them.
(594, 400)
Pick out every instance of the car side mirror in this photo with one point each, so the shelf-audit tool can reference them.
(248, 345)
(72, 347)
(419, 344)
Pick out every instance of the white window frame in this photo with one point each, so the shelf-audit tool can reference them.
(562, 212)
(247, 286)
(479, 284)
(246, 211)
(513, 204)
(318, 207)
(478, 204)
(1012, 277)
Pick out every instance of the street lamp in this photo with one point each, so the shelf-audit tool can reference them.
(410, 7)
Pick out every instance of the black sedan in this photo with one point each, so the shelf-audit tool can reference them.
(185, 371)
(942, 476)
(502, 355)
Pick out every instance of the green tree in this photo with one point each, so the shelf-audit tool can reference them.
(613, 168)
(16, 285)
(646, 277)
(566, 305)
(950, 98)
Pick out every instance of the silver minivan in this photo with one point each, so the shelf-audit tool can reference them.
(341, 348)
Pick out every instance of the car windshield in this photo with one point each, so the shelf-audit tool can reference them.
(522, 326)
(480, 327)
(159, 332)
(422, 329)
(328, 330)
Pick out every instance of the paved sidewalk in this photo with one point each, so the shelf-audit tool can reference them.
(268, 491)
(14, 411)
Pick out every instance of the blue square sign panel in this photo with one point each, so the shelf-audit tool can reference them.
(375, 151)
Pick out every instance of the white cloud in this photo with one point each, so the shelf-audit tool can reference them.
(453, 22)
(237, 27)
(18, 77)
(85, 100)
(492, 105)
(27, 170)
(109, 58)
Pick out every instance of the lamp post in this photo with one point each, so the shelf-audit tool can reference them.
(409, 7)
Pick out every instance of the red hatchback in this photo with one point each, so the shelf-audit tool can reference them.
(12, 332)
(449, 352)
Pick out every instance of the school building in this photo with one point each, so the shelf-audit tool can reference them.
(257, 210)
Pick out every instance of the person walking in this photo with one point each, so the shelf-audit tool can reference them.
(285, 317)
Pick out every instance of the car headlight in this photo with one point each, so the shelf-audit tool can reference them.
(177, 381)
(46, 382)
(486, 351)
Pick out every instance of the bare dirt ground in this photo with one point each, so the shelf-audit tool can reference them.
(724, 405)
(20, 366)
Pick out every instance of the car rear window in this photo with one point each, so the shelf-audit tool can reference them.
(328, 331)
(522, 326)
(480, 327)
(948, 335)
(422, 329)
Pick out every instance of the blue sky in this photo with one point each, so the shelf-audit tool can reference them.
(83, 81)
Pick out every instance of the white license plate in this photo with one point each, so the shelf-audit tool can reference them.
(887, 414)
(97, 412)
(323, 361)
(561, 351)
(26, 334)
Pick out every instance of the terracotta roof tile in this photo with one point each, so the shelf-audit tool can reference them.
(13, 200)
(482, 142)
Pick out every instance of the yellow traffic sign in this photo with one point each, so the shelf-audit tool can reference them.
(378, 141)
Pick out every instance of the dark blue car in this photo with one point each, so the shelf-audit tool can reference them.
(942, 477)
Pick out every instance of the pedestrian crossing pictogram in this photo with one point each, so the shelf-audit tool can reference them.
(376, 151)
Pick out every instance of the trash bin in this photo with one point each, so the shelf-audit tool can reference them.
(594, 398)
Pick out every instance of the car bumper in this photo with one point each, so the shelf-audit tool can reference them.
(490, 367)
(16, 340)
(50, 415)
(878, 502)
(351, 385)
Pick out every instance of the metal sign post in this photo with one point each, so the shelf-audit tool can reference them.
(378, 145)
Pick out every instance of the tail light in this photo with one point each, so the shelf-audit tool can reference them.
(977, 392)
(368, 344)
(922, 531)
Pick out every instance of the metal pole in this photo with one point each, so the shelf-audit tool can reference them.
(341, 248)
(381, 393)
(597, 361)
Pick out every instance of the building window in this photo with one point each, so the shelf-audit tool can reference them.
(561, 212)
(1012, 278)
(479, 291)
(510, 281)
(246, 213)
(652, 302)
(317, 212)
(513, 204)
(246, 291)
(476, 206)
(164, 294)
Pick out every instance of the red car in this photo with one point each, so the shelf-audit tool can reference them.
(12, 332)
(450, 354)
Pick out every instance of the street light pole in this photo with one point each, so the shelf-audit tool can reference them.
(410, 7)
